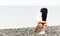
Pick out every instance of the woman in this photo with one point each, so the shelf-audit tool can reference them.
(41, 21)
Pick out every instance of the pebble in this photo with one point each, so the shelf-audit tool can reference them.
(51, 31)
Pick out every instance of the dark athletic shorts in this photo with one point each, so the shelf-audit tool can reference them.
(44, 17)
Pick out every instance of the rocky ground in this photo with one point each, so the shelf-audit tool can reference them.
(51, 31)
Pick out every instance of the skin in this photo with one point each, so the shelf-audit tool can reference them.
(41, 26)
(44, 26)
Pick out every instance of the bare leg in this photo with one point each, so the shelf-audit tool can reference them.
(36, 29)
(44, 27)
(39, 26)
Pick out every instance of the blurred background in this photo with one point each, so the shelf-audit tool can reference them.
(25, 16)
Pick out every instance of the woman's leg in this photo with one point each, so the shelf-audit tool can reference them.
(36, 29)
(39, 26)
(44, 27)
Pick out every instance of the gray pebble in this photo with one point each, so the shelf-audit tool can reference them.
(51, 31)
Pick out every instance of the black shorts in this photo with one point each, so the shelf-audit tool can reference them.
(44, 17)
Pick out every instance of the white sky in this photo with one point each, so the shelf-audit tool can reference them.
(21, 13)
(24, 16)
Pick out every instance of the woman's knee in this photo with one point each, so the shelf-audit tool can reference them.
(45, 24)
